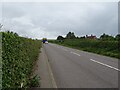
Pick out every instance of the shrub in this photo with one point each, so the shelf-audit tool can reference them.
(18, 56)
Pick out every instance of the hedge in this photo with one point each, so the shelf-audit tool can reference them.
(18, 57)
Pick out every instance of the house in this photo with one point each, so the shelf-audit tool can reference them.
(91, 37)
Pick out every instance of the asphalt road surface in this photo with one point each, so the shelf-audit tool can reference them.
(78, 69)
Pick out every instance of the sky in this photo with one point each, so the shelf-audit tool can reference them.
(51, 19)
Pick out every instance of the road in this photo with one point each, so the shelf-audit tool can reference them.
(73, 68)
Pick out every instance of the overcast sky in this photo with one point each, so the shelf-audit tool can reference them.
(50, 19)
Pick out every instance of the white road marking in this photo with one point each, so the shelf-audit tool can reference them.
(105, 65)
(75, 53)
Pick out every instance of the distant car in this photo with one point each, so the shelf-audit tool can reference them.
(46, 42)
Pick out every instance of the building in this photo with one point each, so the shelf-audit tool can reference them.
(91, 37)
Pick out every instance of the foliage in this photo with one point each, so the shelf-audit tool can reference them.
(118, 37)
(34, 81)
(60, 38)
(18, 54)
(70, 35)
(106, 37)
(44, 39)
(105, 45)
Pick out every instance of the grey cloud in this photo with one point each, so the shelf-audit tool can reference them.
(53, 19)
(12, 10)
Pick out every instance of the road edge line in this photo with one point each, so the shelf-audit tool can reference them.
(50, 71)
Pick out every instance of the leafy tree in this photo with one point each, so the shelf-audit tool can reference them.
(77, 37)
(70, 35)
(117, 37)
(82, 37)
(106, 37)
(60, 38)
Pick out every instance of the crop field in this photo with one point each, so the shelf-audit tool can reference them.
(18, 57)
(108, 48)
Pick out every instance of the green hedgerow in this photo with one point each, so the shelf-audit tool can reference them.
(18, 56)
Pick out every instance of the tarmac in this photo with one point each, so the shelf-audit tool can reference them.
(43, 70)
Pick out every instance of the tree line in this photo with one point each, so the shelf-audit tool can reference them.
(71, 35)
(105, 45)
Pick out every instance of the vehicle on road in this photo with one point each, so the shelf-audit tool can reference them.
(44, 40)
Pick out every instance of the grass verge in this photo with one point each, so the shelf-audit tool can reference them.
(107, 48)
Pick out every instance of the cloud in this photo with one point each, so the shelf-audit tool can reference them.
(12, 10)
(38, 20)
(61, 0)
(25, 20)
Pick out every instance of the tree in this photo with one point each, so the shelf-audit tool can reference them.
(117, 37)
(106, 37)
(70, 35)
(60, 38)
(82, 37)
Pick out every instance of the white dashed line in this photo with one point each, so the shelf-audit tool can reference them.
(105, 65)
(75, 53)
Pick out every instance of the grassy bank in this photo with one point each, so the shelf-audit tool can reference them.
(108, 48)
(18, 57)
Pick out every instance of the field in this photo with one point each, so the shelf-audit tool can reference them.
(18, 57)
(103, 47)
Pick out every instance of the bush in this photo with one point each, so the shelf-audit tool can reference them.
(18, 56)
(34, 81)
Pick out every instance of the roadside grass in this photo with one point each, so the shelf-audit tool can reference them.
(18, 57)
(34, 81)
(107, 48)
